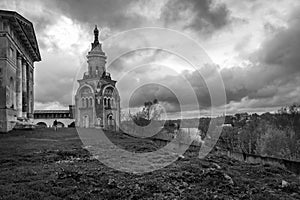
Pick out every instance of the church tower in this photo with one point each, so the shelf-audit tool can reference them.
(96, 57)
(97, 101)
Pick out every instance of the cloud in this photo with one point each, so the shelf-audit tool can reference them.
(55, 105)
(204, 16)
(54, 80)
(284, 47)
(107, 13)
(264, 47)
(270, 79)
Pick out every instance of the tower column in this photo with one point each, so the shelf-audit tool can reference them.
(19, 86)
(24, 89)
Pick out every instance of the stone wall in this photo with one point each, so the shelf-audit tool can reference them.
(293, 166)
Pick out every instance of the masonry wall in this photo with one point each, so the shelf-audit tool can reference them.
(8, 56)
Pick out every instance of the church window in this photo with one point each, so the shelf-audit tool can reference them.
(87, 102)
(83, 102)
(108, 102)
(91, 102)
(104, 101)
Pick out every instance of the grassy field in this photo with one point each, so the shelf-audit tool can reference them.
(43, 164)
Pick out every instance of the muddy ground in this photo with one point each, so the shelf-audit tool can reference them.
(43, 164)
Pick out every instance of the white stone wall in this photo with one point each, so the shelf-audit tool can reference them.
(49, 122)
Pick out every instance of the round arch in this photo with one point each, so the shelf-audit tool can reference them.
(85, 85)
(42, 124)
(114, 89)
(60, 124)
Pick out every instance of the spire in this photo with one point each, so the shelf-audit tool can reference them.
(96, 40)
(96, 33)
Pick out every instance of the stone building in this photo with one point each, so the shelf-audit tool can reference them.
(45, 118)
(18, 52)
(97, 101)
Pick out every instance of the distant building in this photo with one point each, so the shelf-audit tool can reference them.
(45, 118)
(18, 52)
(97, 101)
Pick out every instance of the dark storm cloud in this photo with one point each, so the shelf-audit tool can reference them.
(174, 88)
(150, 92)
(111, 13)
(271, 80)
(284, 47)
(273, 77)
(203, 15)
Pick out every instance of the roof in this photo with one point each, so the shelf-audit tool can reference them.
(25, 30)
(51, 111)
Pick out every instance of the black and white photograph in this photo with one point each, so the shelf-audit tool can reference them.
(150, 99)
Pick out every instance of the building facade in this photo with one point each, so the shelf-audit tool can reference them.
(97, 101)
(18, 52)
(45, 118)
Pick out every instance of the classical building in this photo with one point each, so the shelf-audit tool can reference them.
(18, 52)
(97, 101)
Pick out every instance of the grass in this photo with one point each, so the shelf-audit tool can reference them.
(43, 164)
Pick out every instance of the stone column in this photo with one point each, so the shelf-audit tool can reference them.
(19, 87)
(32, 92)
(24, 89)
(29, 91)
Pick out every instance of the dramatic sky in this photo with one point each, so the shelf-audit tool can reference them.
(253, 44)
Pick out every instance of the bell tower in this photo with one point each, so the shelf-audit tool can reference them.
(96, 58)
(97, 100)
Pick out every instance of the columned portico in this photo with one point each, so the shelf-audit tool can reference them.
(19, 50)
(24, 88)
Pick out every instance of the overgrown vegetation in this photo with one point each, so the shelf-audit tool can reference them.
(44, 164)
(276, 135)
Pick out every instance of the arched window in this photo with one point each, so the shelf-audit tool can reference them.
(87, 102)
(82, 102)
(104, 101)
(108, 102)
(112, 103)
(91, 102)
